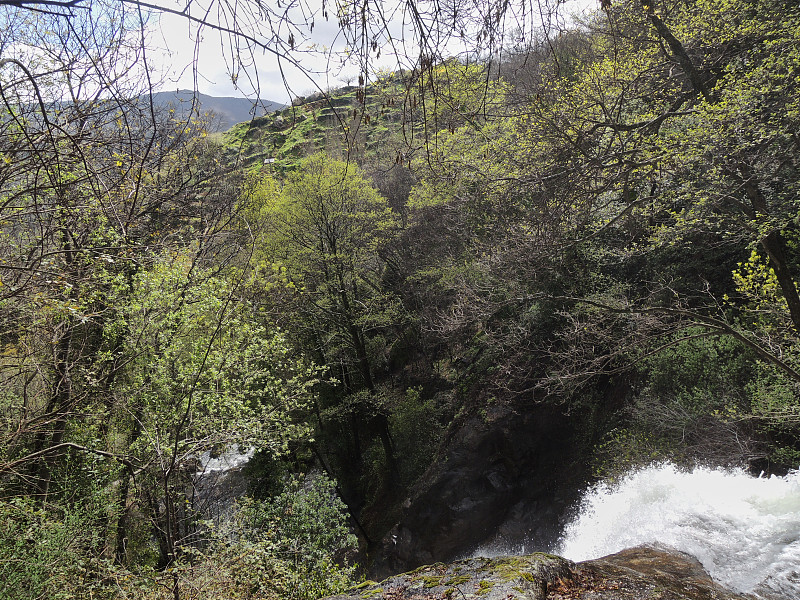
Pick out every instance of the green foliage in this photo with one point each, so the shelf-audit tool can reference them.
(618, 234)
(774, 397)
(201, 374)
(202, 364)
(45, 554)
(291, 545)
(362, 124)
(705, 400)
(325, 230)
(704, 375)
(416, 424)
(625, 449)
(775, 407)
(649, 156)
(456, 93)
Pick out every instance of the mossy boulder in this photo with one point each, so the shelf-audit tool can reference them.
(500, 578)
(642, 573)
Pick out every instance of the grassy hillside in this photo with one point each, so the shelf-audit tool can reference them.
(350, 121)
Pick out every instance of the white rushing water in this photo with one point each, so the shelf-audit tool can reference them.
(231, 458)
(744, 530)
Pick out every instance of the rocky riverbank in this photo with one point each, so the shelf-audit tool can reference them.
(642, 573)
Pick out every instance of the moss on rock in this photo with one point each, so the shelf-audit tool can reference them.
(636, 574)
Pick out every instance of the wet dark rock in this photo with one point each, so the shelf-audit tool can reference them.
(504, 480)
(218, 483)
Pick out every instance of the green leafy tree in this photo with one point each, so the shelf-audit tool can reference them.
(92, 183)
(291, 545)
(327, 231)
(201, 376)
(611, 216)
(678, 147)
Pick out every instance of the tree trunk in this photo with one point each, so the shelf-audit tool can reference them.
(388, 447)
(57, 407)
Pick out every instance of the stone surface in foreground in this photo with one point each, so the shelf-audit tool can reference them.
(642, 573)
(637, 574)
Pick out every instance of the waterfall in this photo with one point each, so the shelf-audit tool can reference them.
(231, 458)
(744, 530)
(220, 481)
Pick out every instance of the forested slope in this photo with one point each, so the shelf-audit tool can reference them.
(459, 291)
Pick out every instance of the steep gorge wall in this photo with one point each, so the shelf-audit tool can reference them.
(503, 480)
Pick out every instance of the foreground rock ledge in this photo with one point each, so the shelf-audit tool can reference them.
(642, 573)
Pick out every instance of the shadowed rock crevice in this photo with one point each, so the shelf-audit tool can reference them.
(503, 481)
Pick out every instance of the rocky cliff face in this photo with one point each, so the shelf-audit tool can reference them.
(504, 478)
(642, 573)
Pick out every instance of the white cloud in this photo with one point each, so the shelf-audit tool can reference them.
(202, 59)
(193, 58)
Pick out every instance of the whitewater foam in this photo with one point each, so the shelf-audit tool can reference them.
(745, 530)
(231, 458)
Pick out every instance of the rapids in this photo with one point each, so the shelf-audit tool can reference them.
(745, 530)
(232, 458)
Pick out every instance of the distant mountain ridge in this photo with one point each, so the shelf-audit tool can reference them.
(229, 111)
